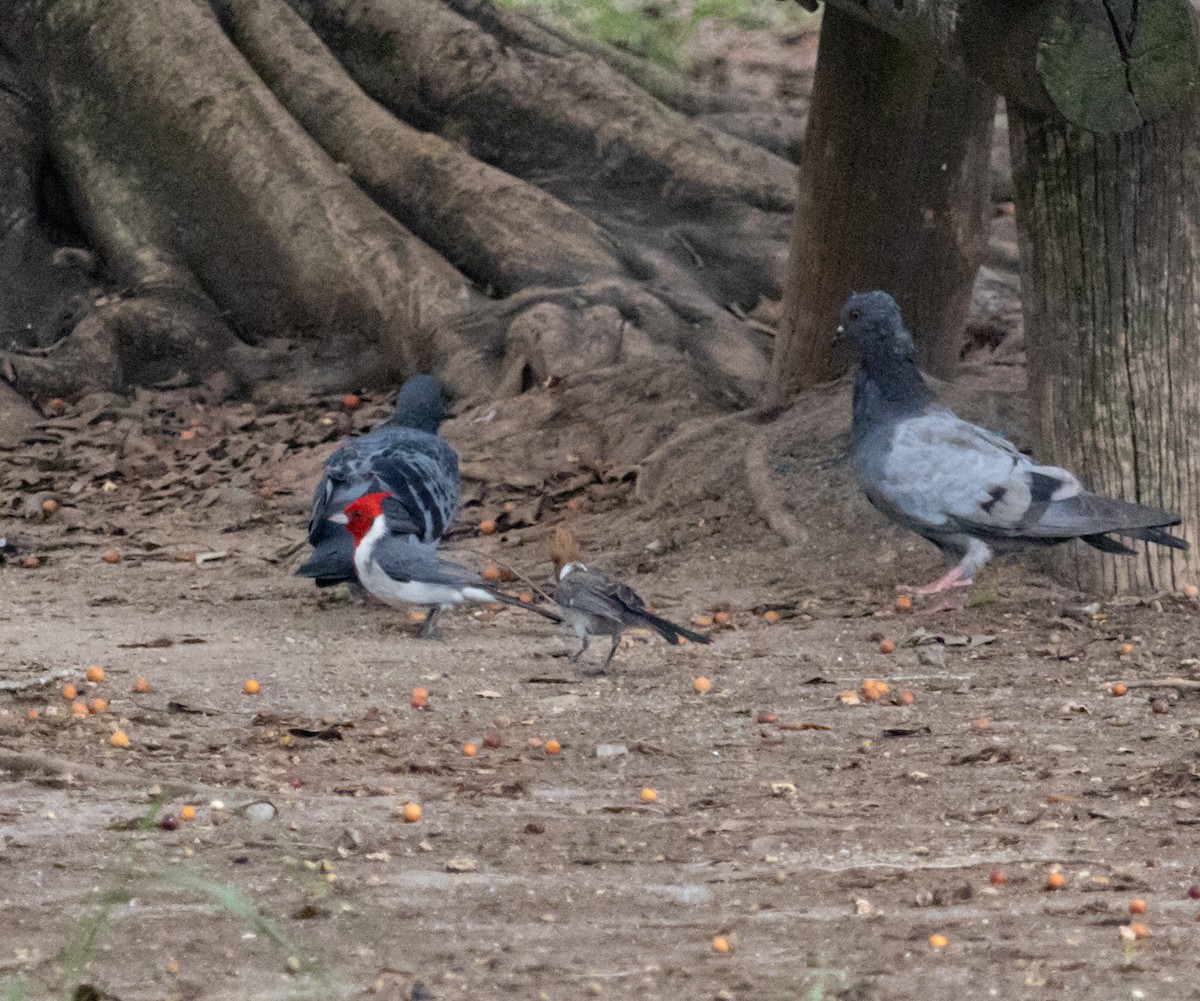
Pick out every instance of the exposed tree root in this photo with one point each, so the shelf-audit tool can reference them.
(272, 171)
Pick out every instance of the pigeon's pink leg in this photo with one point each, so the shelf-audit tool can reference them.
(952, 578)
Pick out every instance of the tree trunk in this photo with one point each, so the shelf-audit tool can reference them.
(1110, 265)
(894, 194)
(1107, 66)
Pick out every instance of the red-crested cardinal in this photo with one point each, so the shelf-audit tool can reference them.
(400, 568)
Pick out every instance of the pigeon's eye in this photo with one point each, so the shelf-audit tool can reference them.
(854, 314)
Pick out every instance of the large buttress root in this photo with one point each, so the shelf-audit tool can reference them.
(248, 175)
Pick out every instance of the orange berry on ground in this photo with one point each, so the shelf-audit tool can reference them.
(702, 685)
(351, 402)
(57, 407)
(907, 698)
(1118, 689)
(1139, 930)
(983, 723)
(649, 795)
(493, 739)
(535, 741)
(1126, 649)
(552, 746)
(721, 618)
(142, 685)
(49, 506)
(1191, 591)
(32, 714)
(69, 692)
(31, 563)
(469, 750)
(575, 504)
(411, 813)
(187, 435)
(702, 620)
(938, 941)
(491, 573)
(681, 640)
(1056, 881)
(998, 877)
(95, 673)
(251, 687)
(873, 690)
(770, 615)
(887, 646)
(1137, 907)
(526, 597)
(98, 706)
(187, 813)
(417, 616)
(766, 716)
(720, 943)
(119, 739)
(78, 710)
(112, 556)
(903, 603)
(487, 527)
(420, 698)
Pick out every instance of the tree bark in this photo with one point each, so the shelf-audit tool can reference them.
(1105, 65)
(1110, 265)
(894, 194)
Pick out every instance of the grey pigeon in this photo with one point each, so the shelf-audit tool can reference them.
(404, 457)
(597, 605)
(968, 491)
(399, 567)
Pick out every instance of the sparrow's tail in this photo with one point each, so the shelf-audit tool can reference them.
(671, 632)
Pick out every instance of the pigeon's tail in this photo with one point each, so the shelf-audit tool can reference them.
(1094, 518)
(671, 632)
(332, 562)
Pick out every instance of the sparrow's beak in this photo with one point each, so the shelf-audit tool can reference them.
(339, 518)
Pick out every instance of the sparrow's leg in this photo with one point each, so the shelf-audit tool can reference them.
(612, 650)
(427, 627)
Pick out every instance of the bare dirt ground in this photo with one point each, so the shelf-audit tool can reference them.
(827, 841)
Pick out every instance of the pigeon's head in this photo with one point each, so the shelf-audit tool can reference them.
(419, 404)
(360, 515)
(871, 321)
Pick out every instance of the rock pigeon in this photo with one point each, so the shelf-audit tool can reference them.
(966, 490)
(399, 567)
(597, 605)
(404, 456)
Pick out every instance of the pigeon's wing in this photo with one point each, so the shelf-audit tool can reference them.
(598, 594)
(418, 469)
(946, 474)
(424, 483)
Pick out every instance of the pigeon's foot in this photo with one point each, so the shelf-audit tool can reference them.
(951, 579)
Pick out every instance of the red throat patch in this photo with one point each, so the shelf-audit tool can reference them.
(361, 514)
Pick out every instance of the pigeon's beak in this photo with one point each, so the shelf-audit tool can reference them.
(839, 334)
(339, 519)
